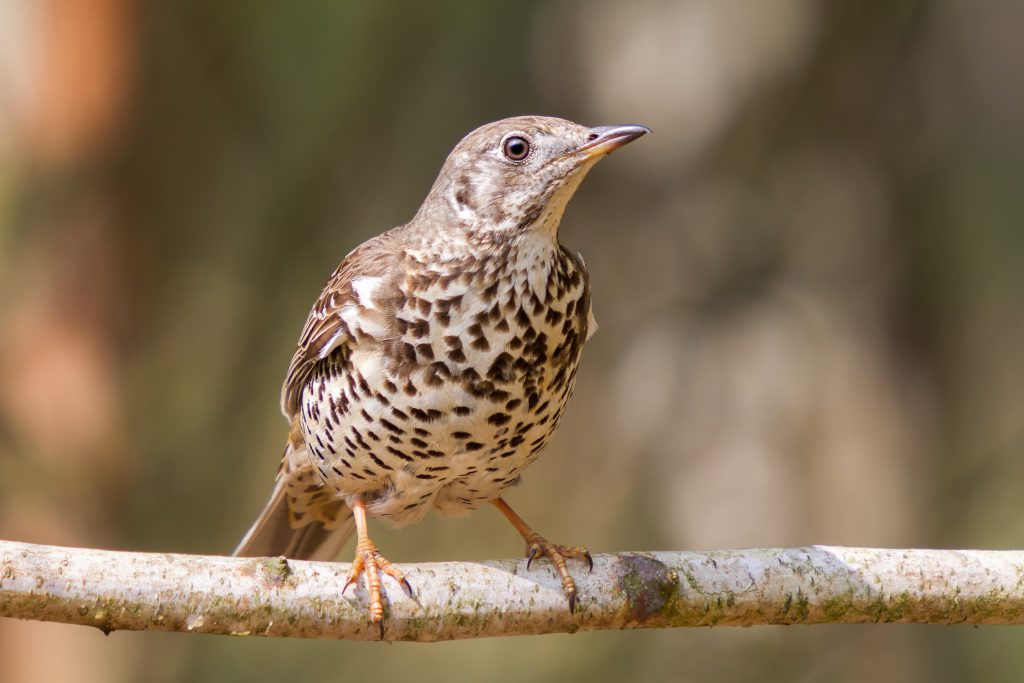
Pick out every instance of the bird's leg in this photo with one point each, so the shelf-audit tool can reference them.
(537, 545)
(371, 564)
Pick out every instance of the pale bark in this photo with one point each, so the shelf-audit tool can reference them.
(271, 597)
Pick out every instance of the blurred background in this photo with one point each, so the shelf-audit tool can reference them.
(808, 282)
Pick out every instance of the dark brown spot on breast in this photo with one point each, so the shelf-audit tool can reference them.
(499, 419)
(522, 319)
(380, 462)
(435, 374)
(482, 388)
(419, 328)
(401, 454)
(429, 415)
(407, 353)
(501, 368)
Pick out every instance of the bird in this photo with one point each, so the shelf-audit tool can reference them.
(439, 358)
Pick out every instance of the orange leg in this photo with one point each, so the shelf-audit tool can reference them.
(371, 564)
(537, 545)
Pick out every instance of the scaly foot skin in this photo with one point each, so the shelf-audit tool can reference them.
(538, 546)
(371, 564)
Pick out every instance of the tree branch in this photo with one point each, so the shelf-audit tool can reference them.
(273, 597)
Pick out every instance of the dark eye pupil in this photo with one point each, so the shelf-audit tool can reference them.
(516, 148)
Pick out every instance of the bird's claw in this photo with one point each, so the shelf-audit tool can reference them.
(538, 546)
(370, 564)
(532, 553)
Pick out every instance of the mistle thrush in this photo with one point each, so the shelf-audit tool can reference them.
(439, 358)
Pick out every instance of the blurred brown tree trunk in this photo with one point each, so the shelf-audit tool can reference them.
(67, 92)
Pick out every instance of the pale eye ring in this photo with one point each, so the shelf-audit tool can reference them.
(515, 148)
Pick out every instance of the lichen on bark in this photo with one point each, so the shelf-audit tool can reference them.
(277, 597)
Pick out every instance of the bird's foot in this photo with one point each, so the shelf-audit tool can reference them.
(370, 564)
(538, 546)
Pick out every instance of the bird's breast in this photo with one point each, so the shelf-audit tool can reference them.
(465, 393)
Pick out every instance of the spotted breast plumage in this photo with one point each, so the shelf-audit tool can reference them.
(440, 356)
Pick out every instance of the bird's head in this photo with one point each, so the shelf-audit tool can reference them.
(518, 174)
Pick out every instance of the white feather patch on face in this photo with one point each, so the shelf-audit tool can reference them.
(463, 211)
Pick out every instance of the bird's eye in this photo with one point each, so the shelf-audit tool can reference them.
(516, 148)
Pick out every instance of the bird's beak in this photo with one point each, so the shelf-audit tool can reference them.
(606, 139)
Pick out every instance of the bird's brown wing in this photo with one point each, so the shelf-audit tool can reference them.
(326, 327)
(302, 519)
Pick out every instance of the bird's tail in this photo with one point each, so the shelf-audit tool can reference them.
(302, 520)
